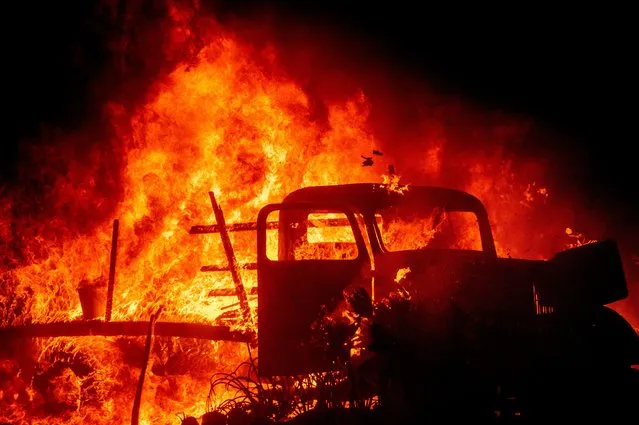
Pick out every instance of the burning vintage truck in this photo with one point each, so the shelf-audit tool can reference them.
(467, 328)
(452, 328)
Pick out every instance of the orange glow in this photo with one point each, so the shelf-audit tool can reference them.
(221, 124)
(224, 122)
(401, 274)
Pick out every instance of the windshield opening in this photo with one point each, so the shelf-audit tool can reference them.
(404, 228)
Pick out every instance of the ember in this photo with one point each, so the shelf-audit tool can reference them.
(226, 131)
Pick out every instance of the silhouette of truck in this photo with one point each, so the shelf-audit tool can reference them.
(540, 328)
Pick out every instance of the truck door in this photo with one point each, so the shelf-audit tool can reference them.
(307, 255)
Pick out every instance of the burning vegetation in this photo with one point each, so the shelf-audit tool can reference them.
(99, 236)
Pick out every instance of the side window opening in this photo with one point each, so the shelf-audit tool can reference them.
(329, 236)
(438, 230)
(313, 235)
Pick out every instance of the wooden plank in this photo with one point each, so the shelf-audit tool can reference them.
(230, 255)
(230, 292)
(220, 268)
(271, 225)
(148, 346)
(132, 328)
(114, 254)
(235, 227)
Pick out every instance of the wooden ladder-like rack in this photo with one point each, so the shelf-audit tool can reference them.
(233, 267)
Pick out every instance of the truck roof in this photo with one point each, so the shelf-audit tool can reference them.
(374, 196)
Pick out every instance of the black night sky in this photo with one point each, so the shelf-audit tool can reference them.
(570, 69)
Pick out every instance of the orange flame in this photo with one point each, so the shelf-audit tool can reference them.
(225, 121)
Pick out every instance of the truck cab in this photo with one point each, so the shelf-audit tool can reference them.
(438, 243)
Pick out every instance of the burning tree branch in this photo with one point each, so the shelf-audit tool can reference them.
(272, 399)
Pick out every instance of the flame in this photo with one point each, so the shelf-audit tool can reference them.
(226, 120)
(391, 183)
(401, 274)
(220, 123)
(577, 239)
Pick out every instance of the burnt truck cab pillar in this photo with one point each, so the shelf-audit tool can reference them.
(301, 271)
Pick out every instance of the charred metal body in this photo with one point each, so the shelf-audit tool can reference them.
(480, 331)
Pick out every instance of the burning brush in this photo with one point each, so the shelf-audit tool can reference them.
(250, 400)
